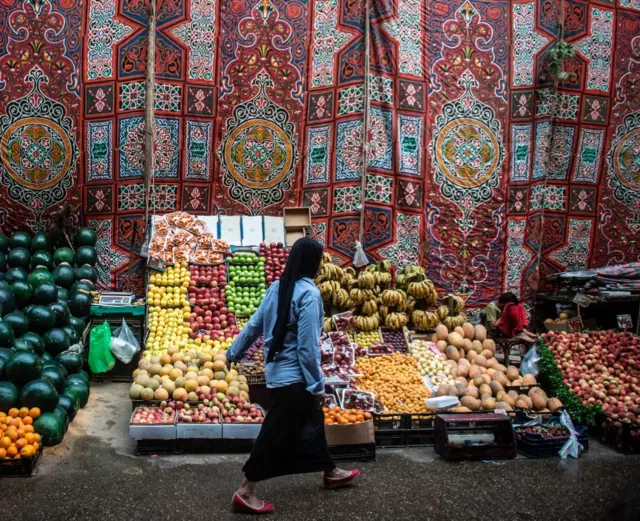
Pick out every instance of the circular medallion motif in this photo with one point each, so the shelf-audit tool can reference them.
(467, 152)
(626, 160)
(36, 152)
(258, 154)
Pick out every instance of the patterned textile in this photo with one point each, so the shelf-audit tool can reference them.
(476, 166)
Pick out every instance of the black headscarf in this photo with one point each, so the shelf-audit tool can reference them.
(304, 261)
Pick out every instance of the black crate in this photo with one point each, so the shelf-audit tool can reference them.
(20, 468)
(364, 452)
(390, 430)
(619, 436)
(421, 438)
(214, 446)
(536, 447)
(151, 447)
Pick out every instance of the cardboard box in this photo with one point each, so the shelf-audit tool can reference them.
(166, 431)
(230, 229)
(292, 236)
(211, 431)
(352, 434)
(558, 326)
(297, 218)
(241, 431)
(273, 229)
(212, 222)
(252, 230)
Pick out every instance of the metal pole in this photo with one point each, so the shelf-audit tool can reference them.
(365, 123)
(149, 111)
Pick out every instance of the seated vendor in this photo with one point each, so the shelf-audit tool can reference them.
(507, 318)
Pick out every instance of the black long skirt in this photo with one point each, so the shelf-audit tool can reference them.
(292, 439)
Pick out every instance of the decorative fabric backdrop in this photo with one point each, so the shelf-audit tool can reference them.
(477, 166)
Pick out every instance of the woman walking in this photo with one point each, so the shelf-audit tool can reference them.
(292, 439)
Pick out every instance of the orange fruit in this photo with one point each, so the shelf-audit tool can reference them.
(14, 412)
(34, 413)
(29, 436)
(35, 446)
(27, 420)
(28, 428)
(5, 442)
(21, 432)
(15, 422)
(3, 453)
(37, 436)
(24, 411)
(12, 451)
(27, 452)
(2, 414)
(13, 434)
(21, 443)
(17, 456)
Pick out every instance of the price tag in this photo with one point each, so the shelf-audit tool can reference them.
(433, 348)
(582, 300)
(624, 321)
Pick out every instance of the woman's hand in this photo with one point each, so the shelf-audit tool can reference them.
(318, 401)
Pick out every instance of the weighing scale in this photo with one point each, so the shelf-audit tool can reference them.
(115, 298)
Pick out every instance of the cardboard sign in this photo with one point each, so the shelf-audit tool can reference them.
(624, 321)
(582, 300)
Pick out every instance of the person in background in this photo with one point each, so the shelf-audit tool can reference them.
(292, 438)
(510, 321)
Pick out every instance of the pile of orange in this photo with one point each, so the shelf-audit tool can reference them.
(17, 436)
(337, 416)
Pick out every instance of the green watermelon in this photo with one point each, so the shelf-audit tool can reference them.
(39, 393)
(15, 274)
(50, 428)
(41, 319)
(87, 272)
(7, 301)
(71, 361)
(6, 353)
(20, 344)
(54, 363)
(74, 337)
(81, 388)
(84, 285)
(78, 324)
(20, 240)
(18, 322)
(69, 405)
(42, 258)
(19, 258)
(3, 262)
(6, 334)
(63, 255)
(4, 244)
(61, 311)
(41, 242)
(8, 396)
(77, 378)
(46, 357)
(75, 395)
(45, 293)
(86, 237)
(86, 255)
(23, 367)
(56, 341)
(85, 375)
(22, 292)
(36, 340)
(80, 304)
(63, 295)
(56, 376)
(40, 276)
(4, 283)
(3, 366)
(64, 275)
(61, 413)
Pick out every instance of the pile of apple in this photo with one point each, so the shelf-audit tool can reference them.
(246, 287)
(218, 408)
(153, 415)
(601, 368)
(252, 362)
(275, 255)
(210, 315)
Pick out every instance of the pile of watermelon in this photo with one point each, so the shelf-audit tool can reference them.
(45, 301)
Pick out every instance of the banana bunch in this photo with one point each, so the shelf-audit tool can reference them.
(423, 320)
(366, 280)
(332, 272)
(367, 323)
(348, 278)
(411, 305)
(394, 298)
(423, 290)
(327, 325)
(453, 321)
(327, 288)
(326, 258)
(410, 274)
(457, 304)
(340, 299)
(395, 320)
(370, 307)
(360, 296)
(442, 312)
(383, 311)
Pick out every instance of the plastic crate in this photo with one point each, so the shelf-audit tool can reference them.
(366, 452)
(536, 447)
(390, 430)
(150, 447)
(621, 437)
(420, 429)
(23, 467)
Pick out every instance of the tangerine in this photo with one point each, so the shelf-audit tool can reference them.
(34, 413)
(24, 411)
(3, 453)
(27, 420)
(27, 452)
(12, 451)
(5, 442)
(14, 412)
(21, 443)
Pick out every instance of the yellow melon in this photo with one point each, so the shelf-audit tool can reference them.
(441, 332)
(220, 357)
(220, 375)
(179, 394)
(192, 397)
(191, 385)
(204, 357)
(455, 339)
(166, 370)
(161, 394)
(155, 369)
(202, 380)
(218, 365)
(221, 386)
(207, 372)
(191, 375)
(233, 391)
(172, 350)
(169, 385)
(177, 357)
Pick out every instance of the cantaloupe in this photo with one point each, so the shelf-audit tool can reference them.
(155, 359)
(202, 380)
(485, 389)
(191, 375)
(180, 365)
(169, 385)
(142, 379)
(470, 402)
(191, 384)
(204, 357)
(472, 390)
(155, 368)
(175, 373)
(468, 330)
(512, 373)
(231, 375)
(554, 404)
(441, 332)
(480, 333)
(218, 365)
(192, 397)
(176, 357)
(455, 339)
(529, 379)
(135, 391)
(452, 352)
(153, 384)
(179, 394)
(488, 404)
(233, 391)
(539, 402)
(220, 375)
(208, 365)
(206, 372)
(147, 394)
(161, 394)
(489, 344)
(166, 369)
(180, 381)
(244, 395)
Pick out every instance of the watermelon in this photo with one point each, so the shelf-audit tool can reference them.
(18, 322)
(36, 340)
(78, 324)
(46, 357)
(41, 242)
(87, 272)
(4, 244)
(85, 375)
(43, 259)
(19, 258)
(41, 319)
(71, 361)
(56, 376)
(45, 293)
(77, 379)
(74, 337)
(63, 295)
(40, 276)
(20, 240)
(54, 363)
(39, 393)
(63, 255)
(23, 367)
(84, 285)
(50, 428)
(86, 237)
(81, 388)
(6, 334)
(8, 396)
(80, 304)
(86, 255)
(7, 301)
(61, 413)
(20, 344)
(69, 405)
(6, 353)
(3, 366)
(64, 275)
(3, 283)
(56, 341)
(22, 292)
(3, 262)
(61, 312)
(75, 395)
(15, 274)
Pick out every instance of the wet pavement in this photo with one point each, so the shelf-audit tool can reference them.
(94, 474)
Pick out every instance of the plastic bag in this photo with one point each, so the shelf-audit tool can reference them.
(530, 362)
(360, 258)
(573, 447)
(100, 358)
(124, 344)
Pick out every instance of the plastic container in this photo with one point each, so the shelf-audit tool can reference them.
(536, 447)
(441, 403)
(366, 452)
(23, 467)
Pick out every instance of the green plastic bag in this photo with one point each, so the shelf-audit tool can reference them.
(100, 358)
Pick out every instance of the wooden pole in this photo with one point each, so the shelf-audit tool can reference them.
(149, 111)
(365, 122)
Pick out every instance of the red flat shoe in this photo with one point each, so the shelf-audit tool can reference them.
(332, 483)
(242, 507)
